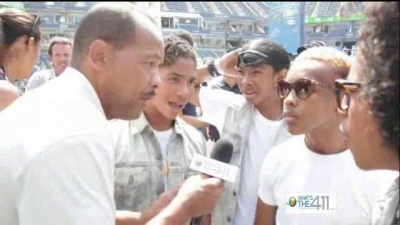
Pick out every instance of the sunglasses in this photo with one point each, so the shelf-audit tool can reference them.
(35, 24)
(302, 88)
(344, 89)
(252, 58)
(255, 58)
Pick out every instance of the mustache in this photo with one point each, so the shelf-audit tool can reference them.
(150, 93)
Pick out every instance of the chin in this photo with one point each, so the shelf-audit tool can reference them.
(361, 162)
(170, 115)
(133, 115)
(294, 130)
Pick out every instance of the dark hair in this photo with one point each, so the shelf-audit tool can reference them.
(378, 58)
(15, 23)
(174, 48)
(114, 23)
(58, 40)
(279, 58)
(184, 34)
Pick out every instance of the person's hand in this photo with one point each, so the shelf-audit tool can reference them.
(227, 63)
(158, 205)
(199, 195)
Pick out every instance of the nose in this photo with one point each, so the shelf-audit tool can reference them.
(244, 80)
(290, 101)
(155, 79)
(185, 92)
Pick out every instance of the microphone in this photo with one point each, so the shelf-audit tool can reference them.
(218, 164)
(215, 166)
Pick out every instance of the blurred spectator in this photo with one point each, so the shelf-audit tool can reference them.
(20, 46)
(60, 54)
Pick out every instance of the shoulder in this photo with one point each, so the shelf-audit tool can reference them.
(192, 137)
(41, 74)
(6, 87)
(290, 147)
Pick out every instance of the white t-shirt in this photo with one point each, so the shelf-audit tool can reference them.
(261, 135)
(57, 156)
(292, 168)
(163, 138)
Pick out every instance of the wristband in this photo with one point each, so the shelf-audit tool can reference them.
(212, 70)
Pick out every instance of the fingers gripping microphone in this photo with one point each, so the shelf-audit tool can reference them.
(216, 166)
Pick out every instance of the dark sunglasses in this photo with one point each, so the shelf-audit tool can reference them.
(35, 24)
(252, 58)
(302, 88)
(344, 89)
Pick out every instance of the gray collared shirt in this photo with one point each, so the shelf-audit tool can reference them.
(139, 163)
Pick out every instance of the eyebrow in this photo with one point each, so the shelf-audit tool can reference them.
(180, 75)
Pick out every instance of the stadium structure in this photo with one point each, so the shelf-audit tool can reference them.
(219, 26)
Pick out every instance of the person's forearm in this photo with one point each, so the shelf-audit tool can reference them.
(128, 218)
(194, 121)
(174, 214)
(202, 75)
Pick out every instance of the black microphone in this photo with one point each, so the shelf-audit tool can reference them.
(214, 166)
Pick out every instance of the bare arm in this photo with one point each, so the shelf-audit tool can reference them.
(136, 218)
(194, 121)
(224, 65)
(265, 214)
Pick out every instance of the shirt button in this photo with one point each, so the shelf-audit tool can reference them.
(229, 219)
(234, 193)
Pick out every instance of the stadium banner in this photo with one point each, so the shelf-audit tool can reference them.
(334, 19)
(285, 24)
(348, 11)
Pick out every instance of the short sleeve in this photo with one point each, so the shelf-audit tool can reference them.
(214, 104)
(70, 183)
(267, 178)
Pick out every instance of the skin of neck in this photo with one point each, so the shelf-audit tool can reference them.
(156, 119)
(386, 158)
(11, 70)
(271, 108)
(326, 139)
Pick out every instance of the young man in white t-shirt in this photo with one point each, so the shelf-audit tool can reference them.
(153, 152)
(251, 121)
(312, 178)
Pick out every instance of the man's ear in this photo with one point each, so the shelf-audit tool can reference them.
(97, 54)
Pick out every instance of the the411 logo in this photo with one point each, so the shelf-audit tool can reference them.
(310, 203)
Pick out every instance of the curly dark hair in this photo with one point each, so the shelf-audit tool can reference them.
(184, 34)
(378, 59)
(279, 56)
(174, 48)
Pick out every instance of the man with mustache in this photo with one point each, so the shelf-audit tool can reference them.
(60, 54)
(58, 168)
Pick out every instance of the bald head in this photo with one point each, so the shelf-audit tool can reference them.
(8, 94)
(114, 23)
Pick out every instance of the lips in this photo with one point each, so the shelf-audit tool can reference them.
(148, 97)
(176, 106)
(288, 114)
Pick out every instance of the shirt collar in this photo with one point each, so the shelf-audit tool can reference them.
(140, 124)
(79, 83)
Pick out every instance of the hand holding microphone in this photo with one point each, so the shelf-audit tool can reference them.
(199, 194)
(215, 166)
